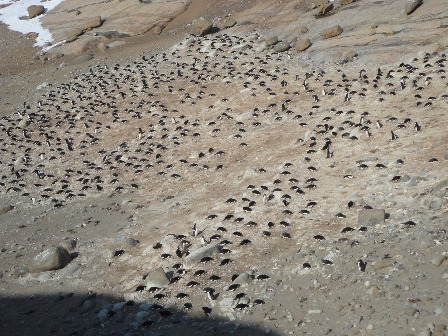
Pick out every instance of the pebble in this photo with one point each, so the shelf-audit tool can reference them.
(315, 311)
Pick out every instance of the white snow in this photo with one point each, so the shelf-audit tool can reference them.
(10, 15)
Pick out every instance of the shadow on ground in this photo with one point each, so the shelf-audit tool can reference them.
(91, 314)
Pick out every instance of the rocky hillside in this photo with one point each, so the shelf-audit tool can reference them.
(224, 186)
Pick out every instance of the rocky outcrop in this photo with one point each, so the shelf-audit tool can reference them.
(331, 32)
(201, 26)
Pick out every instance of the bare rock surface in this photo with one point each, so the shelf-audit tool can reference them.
(34, 11)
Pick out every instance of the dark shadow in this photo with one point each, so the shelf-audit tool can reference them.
(92, 315)
(387, 215)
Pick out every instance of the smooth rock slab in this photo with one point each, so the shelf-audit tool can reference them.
(370, 217)
(195, 257)
(157, 278)
(52, 259)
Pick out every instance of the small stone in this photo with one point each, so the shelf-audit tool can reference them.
(244, 278)
(5, 209)
(52, 259)
(349, 56)
(412, 5)
(303, 29)
(228, 23)
(34, 11)
(369, 217)
(302, 45)
(331, 32)
(410, 311)
(91, 23)
(157, 278)
(369, 326)
(383, 263)
(315, 311)
(438, 260)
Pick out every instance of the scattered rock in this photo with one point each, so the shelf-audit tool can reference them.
(271, 40)
(369, 217)
(331, 32)
(412, 5)
(325, 8)
(157, 278)
(438, 260)
(49, 260)
(281, 47)
(201, 26)
(6, 208)
(195, 257)
(34, 11)
(302, 45)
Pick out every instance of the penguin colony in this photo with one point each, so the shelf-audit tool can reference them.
(119, 129)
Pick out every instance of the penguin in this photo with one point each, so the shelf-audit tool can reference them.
(362, 265)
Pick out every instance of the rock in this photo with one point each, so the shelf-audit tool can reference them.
(73, 35)
(347, 2)
(5, 208)
(303, 29)
(244, 278)
(331, 32)
(438, 260)
(228, 23)
(443, 43)
(410, 311)
(87, 305)
(411, 6)
(195, 257)
(91, 23)
(368, 217)
(271, 40)
(302, 45)
(34, 11)
(52, 259)
(157, 278)
(281, 47)
(226, 304)
(349, 56)
(383, 263)
(201, 26)
(325, 8)
(374, 291)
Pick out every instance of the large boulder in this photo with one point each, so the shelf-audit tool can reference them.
(201, 26)
(196, 256)
(412, 5)
(302, 45)
(49, 260)
(157, 278)
(34, 11)
(331, 32)
(325, 8)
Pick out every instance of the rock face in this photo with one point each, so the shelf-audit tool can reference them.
(52, 259)
(271, 40)
(331, 32)
(325, 8)
(194, 257)
(302, 45)
(201, 26)
(34, 11)
(157, 278)
(412, 5)
(371, 217)
(281, 46)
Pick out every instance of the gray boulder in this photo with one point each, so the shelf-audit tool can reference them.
(52, 259)
(412, 5)
(34, 11)
(371, 217)
(281, 47)
(302, 45)
(201, 26)
(157, 278)
(331, 32)
(195, 257)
